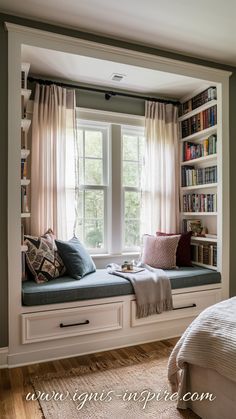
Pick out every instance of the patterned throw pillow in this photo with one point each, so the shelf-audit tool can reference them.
(183, 253)
(160, 252)
(43, 260)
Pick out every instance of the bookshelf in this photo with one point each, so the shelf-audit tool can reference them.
(25, 153)
(199, 167)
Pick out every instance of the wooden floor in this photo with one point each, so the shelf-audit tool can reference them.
(12, 381)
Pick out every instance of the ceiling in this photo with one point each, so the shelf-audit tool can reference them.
(203, 28)
(55, 64)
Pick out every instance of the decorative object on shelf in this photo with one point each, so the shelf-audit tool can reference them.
(195, 226)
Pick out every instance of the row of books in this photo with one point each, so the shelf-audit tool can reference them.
(23, 79)
(23, 139)
(199, 122)
(200, 203)
(205, 253)
(192, 177)
(24, 199)
(198, 100)
(23, 169)
(193, 151)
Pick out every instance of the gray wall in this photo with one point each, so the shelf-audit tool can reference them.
(98, 103)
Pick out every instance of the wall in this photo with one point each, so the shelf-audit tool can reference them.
(3, 154)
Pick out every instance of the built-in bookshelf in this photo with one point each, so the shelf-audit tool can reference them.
(199, 175)
(25, 153)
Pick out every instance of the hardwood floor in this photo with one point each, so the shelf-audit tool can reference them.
(14, 383)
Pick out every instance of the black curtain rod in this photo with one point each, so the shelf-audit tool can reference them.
(108, 93)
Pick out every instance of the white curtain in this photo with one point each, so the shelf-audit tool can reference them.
(53, 129)
(160, 175)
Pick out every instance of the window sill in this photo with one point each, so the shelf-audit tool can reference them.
(114, 255)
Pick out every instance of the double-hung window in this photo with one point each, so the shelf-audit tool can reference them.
(108, 160)
(133, 155)
(92, 185)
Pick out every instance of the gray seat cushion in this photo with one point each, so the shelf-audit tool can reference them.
(100, 284)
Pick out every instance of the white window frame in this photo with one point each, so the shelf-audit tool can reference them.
(137, 131)
(105, 187)
(115, 204)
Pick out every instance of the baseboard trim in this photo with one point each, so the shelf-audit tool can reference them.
(3, 357)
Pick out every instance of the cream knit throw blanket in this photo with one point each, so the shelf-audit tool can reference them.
(210, 342)
(151, 287)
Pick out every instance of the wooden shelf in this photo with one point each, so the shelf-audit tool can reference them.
(24, 248)
(203, 265)
(204, 159)
(198, 214)
(26, 93)
(201, 135)
(25, 214)
(25, 182)
(25, 124)
(204, 239)
(193, 187)
(206, 105)
(24, 153)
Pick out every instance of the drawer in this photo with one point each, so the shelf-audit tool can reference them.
(56, 324)
(185, 305)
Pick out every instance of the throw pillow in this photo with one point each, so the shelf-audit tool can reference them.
(160, 252)
(76, 258)
(50, 237)
(43, 261)
(183, 253)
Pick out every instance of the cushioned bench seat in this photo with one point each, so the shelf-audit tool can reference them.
(100, 284)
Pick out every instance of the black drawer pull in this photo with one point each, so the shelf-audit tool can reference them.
(74, 324)
(180, 308)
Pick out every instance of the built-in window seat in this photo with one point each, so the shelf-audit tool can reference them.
(100, 284)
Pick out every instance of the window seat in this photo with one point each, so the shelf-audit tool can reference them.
(100, 284)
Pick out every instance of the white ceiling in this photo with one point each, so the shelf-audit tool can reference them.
(202, 28)
(55, 64)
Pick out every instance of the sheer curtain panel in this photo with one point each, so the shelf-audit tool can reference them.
(53, 128)
(160, 175)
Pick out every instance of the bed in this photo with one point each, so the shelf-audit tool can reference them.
(204, 361)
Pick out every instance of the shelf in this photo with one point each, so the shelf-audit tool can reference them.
(24, 248)
(25, 214)
(193, 187)
(203, 265)
(26, 93)
(24, 153)
(199, 160)
(201, 135)
(25, 182)
(197, 214)
(204, 239)
(198, 110)
(25, 124)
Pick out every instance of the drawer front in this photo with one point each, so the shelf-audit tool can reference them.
(185, 305)
(56, 324)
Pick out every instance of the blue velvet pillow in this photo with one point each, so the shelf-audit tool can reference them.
(76, 258)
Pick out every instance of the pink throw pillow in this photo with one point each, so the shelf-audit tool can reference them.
(183, 252)
(160, 252)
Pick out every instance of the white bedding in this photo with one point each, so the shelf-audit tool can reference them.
(209, 342)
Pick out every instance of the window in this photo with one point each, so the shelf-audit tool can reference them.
(92, 152)
(133, 153)
(107, 159)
